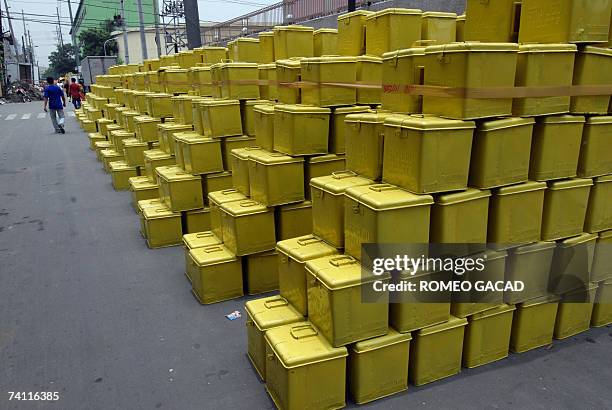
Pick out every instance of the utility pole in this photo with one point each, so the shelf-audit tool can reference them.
(192, 24)
(74, 40)
(8, 17)
(156, 17)
(2, 69)
(143, 38)
(59, 27)
(125, 39)
(32, 59)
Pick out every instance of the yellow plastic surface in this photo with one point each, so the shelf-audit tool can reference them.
(378, 367)
(435, 352)
(264, 314)
(240, 168)
(322, 73)
(364, 135)
(221, 118)
(464, 65)
(215, 199)
(276, 179)
(293, 220)
(352, 33)
(197, 220)
(533, 324)
(121, 172)
(555, 147)
(248, 227)
(179, 190)
(325, 42)
(335, 306)
(263, 116)
(565, 207)
(602, 259)
(564, 21)
(595, 155)
(293, 41)
(217, 274)
(392, 29)
(384, 213)
(231, 143)
(494, 22)
(303, 371)
(239, 80)
(530, 264)
(593, 66)
(575, 317)
(501, 152)
(337, 126)
(369, 74)
(427, 154)
(261, 272)
(246, 49)
(266, 47)
(162, 227)
(487, 336)
(440, 28)
(602, 310)
(293, 255)
(288, 72)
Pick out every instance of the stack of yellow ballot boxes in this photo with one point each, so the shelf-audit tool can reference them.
(282, 156)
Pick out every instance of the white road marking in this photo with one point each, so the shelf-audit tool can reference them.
(41, 115)
(10, 117)
(26, 116)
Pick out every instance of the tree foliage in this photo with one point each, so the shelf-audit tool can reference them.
(61, 61)
(92, 40)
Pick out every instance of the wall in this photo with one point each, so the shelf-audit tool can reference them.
(94, 12)
(134, 49)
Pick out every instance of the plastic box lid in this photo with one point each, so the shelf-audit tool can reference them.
(293, 28)
(351, 110)
(151, 203)
(212, 255)
(295, 206)
(244, 207)
(472, 46)
(272, 311)
(340, 272)
(200, 239)
(547, 48)
(291, 63)
(156, 212)
(599, 120)
(388, 11)
(607, 52)
(406, 52)
(540, 301)
(390, 339)
(499, 310)
(605, 235)
(386, 197)
(534, 247)
(146, 118)
(245, 153)
(326, 30)
(569, 183)
(227, 195)
(369, 59)
(174, 173)
(301, 109)
(427, 123)
(247, 40)
(561, 119)
(217, 102)
(222, 174)
(577, 240)
(304, 248)
(266, 34)
(124, 134)
(274, 158)
(267, 66)
(259, 102)
(339, 181)
(197, 140)
(300, 344)
(187, 135)
(469, 194)
(603, 179)
(120, 166)
(198, 68)
(264, 108)
(355, 13)
(521, 188)
(454, 322)
(324, 158)
(505, 123)
(327, 60)
(133, 142)
(368, 118)
(439, 15)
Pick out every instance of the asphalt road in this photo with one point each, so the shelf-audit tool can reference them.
(88, 311)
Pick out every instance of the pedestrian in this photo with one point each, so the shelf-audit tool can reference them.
(75, 93)
(56, 101)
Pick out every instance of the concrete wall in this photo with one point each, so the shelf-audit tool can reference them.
(453, 6)
(134, 49)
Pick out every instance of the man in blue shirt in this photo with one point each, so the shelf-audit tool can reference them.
(56, 100)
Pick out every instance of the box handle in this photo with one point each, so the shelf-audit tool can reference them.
(343, 260)
(249, 323)
(278, 301)
(212, 248)
(276, 154)
(270, 356)
(308, 241)
(228, 191)
(418, 43)
(204, 234)
(343, 174)
(308, 330)
(248, 202)
(382, 187)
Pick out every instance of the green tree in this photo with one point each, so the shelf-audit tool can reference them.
(92, 40)
(61, 61)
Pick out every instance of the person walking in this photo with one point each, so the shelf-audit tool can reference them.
(55, 99)
(75, 93)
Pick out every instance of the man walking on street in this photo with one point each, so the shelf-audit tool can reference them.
(55, 99)
(75, 93)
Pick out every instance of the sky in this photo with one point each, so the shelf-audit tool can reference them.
(40, 14)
